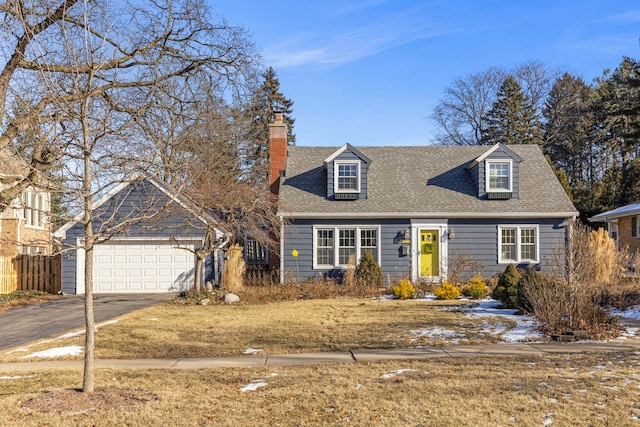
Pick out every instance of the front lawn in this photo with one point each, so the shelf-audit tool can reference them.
(178, 331)
(562, 390)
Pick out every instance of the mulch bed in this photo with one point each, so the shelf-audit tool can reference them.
(102, 399)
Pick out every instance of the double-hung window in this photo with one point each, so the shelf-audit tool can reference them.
(33, 206)
(254, 252)
(347, 179)
(634, 226)
(347, 248)
(498, 176)
(518, 244)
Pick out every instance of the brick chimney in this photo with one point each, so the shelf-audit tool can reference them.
(277, 152)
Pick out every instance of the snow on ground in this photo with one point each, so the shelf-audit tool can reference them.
(61, 337)
(396, 373)
(255, 384)
(15, 377)
(252, 351)
(525, 329)
(70, 350)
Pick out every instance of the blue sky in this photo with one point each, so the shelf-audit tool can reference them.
(370, 72)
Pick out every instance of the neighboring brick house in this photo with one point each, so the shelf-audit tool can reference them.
(25, 225)
(414, 208)
(623, 225)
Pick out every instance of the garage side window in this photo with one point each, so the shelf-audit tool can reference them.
(254, 252)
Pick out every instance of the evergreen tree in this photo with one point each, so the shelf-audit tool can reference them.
(618, 106)
(513, 118)
(571, 141)
(266, 101)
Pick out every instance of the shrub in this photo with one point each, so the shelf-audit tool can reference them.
(506, 291)
(447, 291)
(476, 288)
(403, 289)
(369, 271)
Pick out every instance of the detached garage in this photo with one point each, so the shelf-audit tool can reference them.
(146, 243)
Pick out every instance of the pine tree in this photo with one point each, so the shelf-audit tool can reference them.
(513, 118)
(266, 101)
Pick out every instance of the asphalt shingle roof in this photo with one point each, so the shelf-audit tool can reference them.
(427, 182)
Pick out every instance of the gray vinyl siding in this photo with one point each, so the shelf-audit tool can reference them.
(348, 155)
(298, 235)
(481, 173)
(479, 240)
(171, 221)
(472, 237)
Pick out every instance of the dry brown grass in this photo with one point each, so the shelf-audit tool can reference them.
(563, 390)
(605, 256)
(20, 298)
(173, 331)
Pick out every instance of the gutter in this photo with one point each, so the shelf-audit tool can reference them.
(425, 215)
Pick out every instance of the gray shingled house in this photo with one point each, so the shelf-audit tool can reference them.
(145, 229)
(414, 208)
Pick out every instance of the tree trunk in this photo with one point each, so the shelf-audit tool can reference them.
(89, 343)
(198, 273)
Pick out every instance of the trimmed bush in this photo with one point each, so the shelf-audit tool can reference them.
(447, 291)
(369, 271)
(506, 291)
(403, 289)
(476, 288)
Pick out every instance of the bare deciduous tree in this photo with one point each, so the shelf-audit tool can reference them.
(462, 110)
(83, 74)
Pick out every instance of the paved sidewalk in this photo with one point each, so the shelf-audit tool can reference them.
(362, 355)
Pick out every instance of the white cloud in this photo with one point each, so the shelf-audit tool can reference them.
(629, 16)
(352, 44)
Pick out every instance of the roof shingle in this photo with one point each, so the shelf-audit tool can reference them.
(426, 182)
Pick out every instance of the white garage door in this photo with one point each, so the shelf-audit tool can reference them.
(121, 267)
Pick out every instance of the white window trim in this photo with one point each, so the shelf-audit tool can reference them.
(336, 242)
(487, 177)
(518, 228)
(335, 175)
(635, 233)
(41, 201)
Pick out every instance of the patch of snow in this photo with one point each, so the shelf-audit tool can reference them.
(16, 377)
(252, 351)
(629, 313)
(254, 386)
(61, 337)
(153, 318)
(525, 329)
(70, 350)
(358, 387)
(398, 372)
(438, 332)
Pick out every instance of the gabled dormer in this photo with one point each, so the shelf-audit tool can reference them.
(496, 173)
(347, 170)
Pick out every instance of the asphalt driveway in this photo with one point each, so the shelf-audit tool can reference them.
(22, 325)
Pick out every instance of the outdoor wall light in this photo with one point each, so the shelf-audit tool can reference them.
(451, 234)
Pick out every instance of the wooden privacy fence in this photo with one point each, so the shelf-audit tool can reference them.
(30, 273)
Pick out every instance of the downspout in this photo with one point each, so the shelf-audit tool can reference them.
(281, 249)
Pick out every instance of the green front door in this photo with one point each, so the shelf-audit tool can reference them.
(429, 253)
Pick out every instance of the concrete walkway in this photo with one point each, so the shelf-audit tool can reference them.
(362, 355)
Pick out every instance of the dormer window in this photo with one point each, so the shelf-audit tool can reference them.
(347, 179)
(499, 176)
